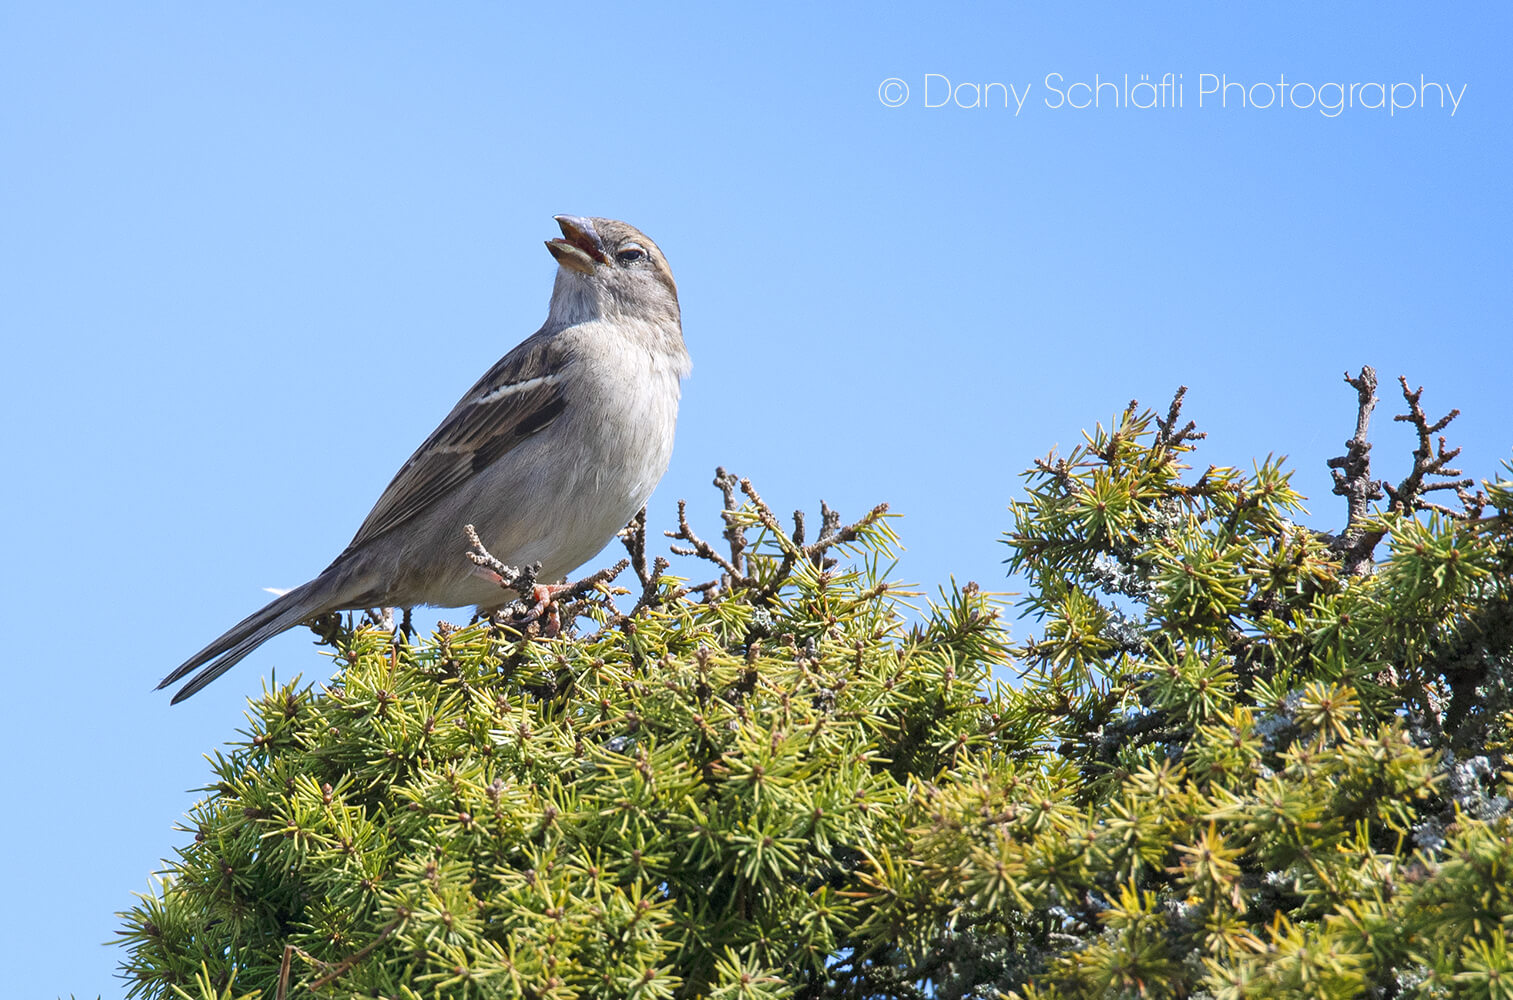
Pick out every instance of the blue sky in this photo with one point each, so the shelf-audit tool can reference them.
(251, 254)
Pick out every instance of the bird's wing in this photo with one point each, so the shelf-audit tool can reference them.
(520, 396)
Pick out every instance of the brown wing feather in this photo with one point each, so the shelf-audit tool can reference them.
(518, 397)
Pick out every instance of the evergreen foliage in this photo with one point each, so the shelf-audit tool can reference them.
(1243, 759)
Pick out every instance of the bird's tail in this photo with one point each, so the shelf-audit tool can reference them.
(301, 604)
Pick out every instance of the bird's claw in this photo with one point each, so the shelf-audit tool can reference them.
(544, 609)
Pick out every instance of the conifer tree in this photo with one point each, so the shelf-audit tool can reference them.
(1241, 758)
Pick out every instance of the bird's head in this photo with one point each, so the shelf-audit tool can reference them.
(609, 269)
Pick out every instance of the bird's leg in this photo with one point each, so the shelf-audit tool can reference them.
(544, 595)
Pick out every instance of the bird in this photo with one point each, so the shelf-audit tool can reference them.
(548, 455)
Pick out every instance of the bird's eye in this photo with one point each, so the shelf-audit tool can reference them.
(630, 254)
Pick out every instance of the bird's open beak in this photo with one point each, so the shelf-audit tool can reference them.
(580, 247)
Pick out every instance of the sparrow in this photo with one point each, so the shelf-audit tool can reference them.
(548, 455)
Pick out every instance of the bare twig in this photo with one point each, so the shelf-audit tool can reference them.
(701, 548)
(734, 569)
(1406, 497)
(594, 581)
(734, 533)
(1352, 480)
(1352, 474)
(579, 598)
(633, 535)
(649, 583)
(708, 590)
(832, 533)
(1168, 434)
(1057, 469)
(764, 513)
(519, 579)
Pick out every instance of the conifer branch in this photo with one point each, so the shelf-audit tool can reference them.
(345, 965)
(809, 794)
